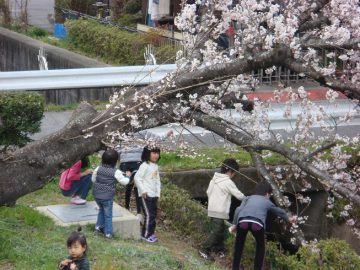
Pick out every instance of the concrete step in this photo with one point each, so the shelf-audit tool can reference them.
(125, 224)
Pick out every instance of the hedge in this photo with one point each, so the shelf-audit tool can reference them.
(20, 116)
(114, 45)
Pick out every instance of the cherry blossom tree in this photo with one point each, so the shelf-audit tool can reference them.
(316, 39)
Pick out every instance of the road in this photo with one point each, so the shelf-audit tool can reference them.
(199, 137)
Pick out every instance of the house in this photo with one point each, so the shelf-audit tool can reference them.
(160, 12)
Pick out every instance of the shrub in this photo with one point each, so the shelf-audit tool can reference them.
(326, 254)
(37, 32)
(112, 44)
(129, 20)
(109, 43)
(20, 116)
(132, 6)
(184, 215)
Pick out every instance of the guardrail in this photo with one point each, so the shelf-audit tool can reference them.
(82, 78)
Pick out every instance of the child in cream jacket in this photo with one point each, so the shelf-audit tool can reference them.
(219, 193)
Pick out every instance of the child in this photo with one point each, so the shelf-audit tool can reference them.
(251, 216)
(130, 160)
(75, 183)
(147, 180)
(77, 247)
(219, 193)
(105, 178)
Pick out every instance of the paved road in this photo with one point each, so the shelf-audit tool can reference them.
(54, 121)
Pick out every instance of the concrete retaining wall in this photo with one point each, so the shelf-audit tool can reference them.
(196, 181)
(19, 52)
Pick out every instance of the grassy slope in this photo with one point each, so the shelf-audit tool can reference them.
(29, 240)
(209, 158)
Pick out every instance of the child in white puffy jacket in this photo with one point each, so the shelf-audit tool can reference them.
(219, 193)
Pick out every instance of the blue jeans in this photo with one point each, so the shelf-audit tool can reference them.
(104, 219)
(79, 188)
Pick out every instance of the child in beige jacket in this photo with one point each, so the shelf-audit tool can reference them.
(219, 192)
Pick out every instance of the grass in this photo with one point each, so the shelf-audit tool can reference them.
(29, 240)
(98, 105)
(210, 158)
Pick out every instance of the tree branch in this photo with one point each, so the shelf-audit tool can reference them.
(323, 177)
(322, 44)
(218, 126)
(349, 89)
(319, 150)
(312, 24)
(192, 81)
(318, 6)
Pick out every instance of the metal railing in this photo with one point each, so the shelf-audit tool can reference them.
(82, 78)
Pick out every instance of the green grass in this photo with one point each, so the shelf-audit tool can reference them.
(29, 240)
(98, 105)
(210, 158)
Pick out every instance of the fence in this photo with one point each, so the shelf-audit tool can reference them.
(279, 75)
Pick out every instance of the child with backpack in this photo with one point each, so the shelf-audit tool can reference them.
(105, 178)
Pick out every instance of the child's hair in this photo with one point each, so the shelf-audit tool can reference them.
(263, 188)
(77, 237)
(85, 162)
(145, 156)
(229, 164)
(110, 157)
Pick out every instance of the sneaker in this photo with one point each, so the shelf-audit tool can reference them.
(149, 239)
(222, 254)
(99, 230)
(206, 255)
(154, 238)
(140, 218)
(108, 236)
(77, 200)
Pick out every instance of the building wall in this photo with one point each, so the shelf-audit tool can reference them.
(40, 12)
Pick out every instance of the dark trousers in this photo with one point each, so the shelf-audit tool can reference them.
(150, 211)
(215, 238)
(259, 235)
(132, 166)
(79, 188)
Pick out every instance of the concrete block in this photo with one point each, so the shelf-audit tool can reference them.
(125, 224)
